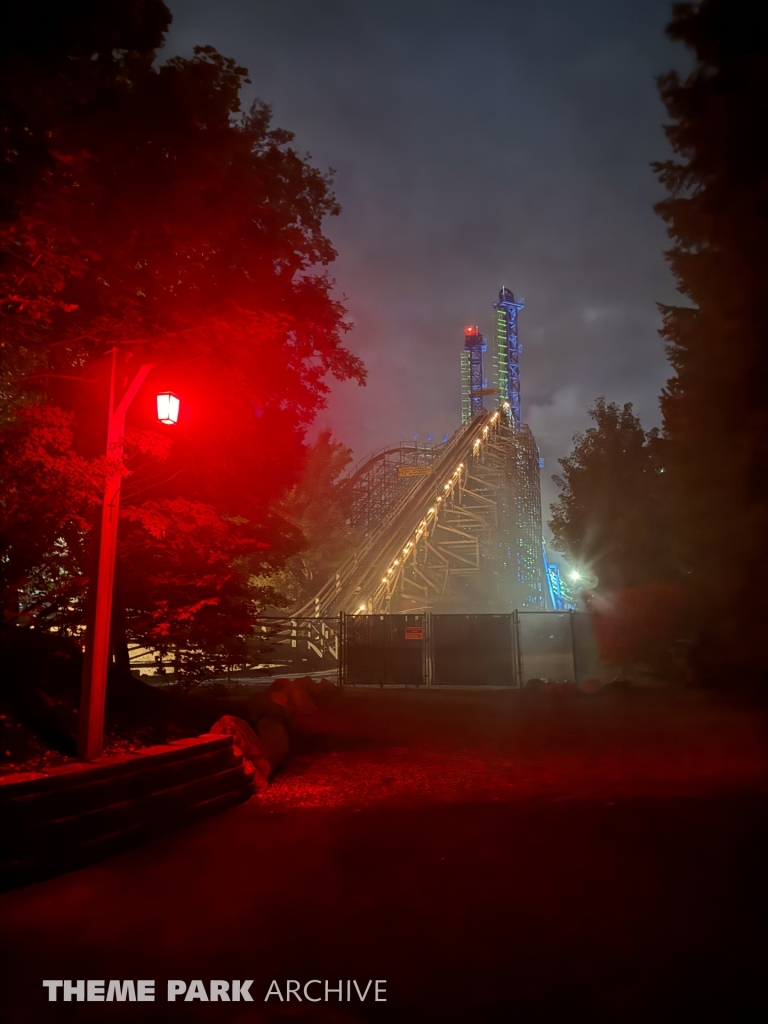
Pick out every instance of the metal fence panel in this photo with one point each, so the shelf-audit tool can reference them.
(473, 650)
(381, 650)
(586, 653)
(467, 650)
(546, 645)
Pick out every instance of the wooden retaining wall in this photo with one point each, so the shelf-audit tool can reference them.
(79, 814)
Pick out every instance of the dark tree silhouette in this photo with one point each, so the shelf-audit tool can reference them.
(610, 516)
(319, 505)
(715, 406)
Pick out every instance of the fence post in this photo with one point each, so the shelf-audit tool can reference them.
(342, 649)
(573, 646)
(428, 650)
(518, 651)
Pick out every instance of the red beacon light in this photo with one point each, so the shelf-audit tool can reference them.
(471, 330)
(168, 408)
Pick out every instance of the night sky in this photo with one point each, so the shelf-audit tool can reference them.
(475, 145)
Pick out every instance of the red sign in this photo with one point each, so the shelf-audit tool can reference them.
(414, 632)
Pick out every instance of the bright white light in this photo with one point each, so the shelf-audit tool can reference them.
(168, 408)
(575, 575)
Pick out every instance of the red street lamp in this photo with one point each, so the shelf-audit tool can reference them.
(98, 630)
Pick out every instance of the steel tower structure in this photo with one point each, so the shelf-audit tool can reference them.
(473, 383)
(506, 355)
(530, 568)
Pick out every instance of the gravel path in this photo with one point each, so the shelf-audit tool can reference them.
(494, 856)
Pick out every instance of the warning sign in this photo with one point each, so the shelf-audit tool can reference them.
(414, 632)
(414, 471)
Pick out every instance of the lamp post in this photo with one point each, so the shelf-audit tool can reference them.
(98, 629)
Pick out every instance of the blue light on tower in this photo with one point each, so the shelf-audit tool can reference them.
(507, 349)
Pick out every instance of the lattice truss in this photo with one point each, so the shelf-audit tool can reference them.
(384, 477)
(473, 509)
(464, 532)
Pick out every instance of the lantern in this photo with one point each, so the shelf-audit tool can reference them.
(168, 407)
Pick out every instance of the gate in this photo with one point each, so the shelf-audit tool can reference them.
(474, 650)
(377, 650)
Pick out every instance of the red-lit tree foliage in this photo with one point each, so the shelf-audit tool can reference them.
(164, 222)
(49, 494)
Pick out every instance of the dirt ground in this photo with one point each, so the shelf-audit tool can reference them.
(492, 856)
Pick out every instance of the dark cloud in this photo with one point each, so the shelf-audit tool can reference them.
(475, 144)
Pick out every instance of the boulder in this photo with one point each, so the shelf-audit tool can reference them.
(293, 695)
(251, 746)
(273, 738)
(559, 687)
(591, 686)
(317, 686)
(619, 687)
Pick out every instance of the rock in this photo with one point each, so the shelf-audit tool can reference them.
(317, 686)
(297, 699)
(591, 686)
(618, 687)
(273, 738)
(250, 746)
(560, 687)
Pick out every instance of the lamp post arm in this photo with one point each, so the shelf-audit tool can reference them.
(132, 390)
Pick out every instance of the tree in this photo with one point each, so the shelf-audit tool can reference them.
(319, 505)
(612, 520)
(49, 495)
(715, 406)
(60, 64)
(610, 517)
(162, 221)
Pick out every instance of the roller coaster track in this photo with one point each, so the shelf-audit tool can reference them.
(382, 479)
(432, 533)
